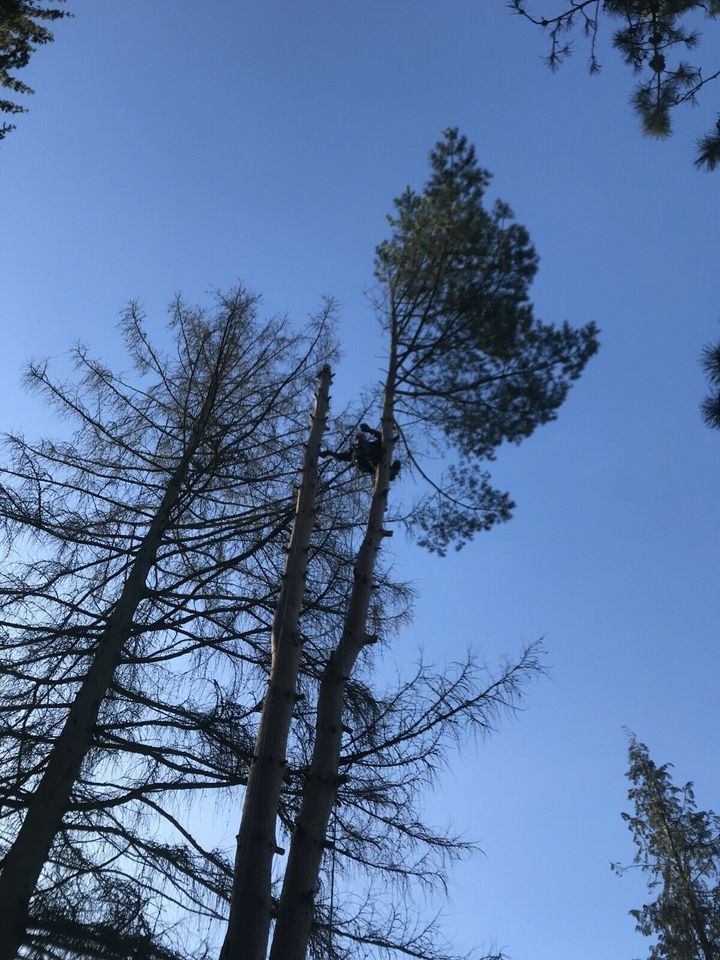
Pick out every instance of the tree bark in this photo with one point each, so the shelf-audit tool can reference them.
(251, 902)
(25, 859)
(296, 908)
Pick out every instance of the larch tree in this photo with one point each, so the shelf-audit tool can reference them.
(116, 883)
(678, 848)
(469, 367)
(135, 586)
(652, 37)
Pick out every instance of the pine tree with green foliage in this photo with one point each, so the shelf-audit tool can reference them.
(710, 360)
(652, 37)
(678, 848)
(468, 367)
(22, 29)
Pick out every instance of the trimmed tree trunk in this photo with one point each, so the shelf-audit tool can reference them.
(26, 857)
(296, 908)
(251, 901)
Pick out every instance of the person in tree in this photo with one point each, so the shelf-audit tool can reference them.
(365, 453)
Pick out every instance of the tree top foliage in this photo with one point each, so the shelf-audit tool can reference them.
(474, 366)
(22, 29)
(710, 360)
(678, 848)
(652, 37)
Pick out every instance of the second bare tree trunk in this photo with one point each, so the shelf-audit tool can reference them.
(296, 909)
(251, 903)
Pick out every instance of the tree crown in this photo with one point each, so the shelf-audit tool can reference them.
(678, 847)
(474, 366)
(22, 30)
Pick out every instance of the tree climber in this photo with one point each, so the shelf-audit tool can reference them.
(365, 453)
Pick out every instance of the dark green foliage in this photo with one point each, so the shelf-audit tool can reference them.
(709, 149)
(475, 367)
(22, 30)
(678, 847)
(711, 404)
(648, 33)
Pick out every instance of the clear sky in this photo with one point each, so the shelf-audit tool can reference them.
(177, 146)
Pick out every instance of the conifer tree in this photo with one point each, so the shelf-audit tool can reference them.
(678, 848)
(710, 360)
(469, 367)
(652, 37)
(167, 510)
(22, 29)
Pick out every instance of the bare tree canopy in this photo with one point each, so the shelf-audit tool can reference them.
(140, 566)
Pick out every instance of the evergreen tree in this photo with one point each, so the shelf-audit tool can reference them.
(22, 30)
(647, 35)
(678, 847)
(710, 360)
(469, 367)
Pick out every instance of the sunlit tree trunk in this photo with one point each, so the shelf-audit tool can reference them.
(250, 905)
(295, 911)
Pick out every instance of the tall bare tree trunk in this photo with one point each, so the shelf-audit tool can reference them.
(295, 912)
(24, 861)
(251, 903)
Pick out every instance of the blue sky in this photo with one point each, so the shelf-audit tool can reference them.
(178, 147)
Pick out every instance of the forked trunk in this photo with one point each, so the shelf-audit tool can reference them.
(251, 904)
(295, 912)
(25, 859)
